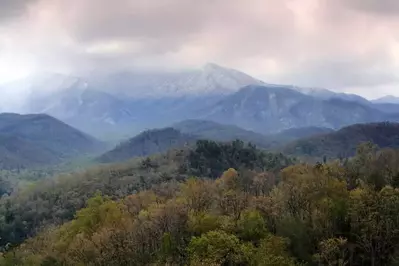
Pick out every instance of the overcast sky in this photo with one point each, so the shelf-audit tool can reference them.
(344, 45)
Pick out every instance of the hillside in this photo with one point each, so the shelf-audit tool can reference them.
(343, 143)
(37, 140)
(147, 143)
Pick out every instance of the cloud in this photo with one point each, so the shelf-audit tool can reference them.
(378, 7)
(13, 8)
(340, 44)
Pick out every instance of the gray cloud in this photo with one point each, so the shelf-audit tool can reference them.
(379, 7)
(333, 43)
(13, 8)
(345, 71)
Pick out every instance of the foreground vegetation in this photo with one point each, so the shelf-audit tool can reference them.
(266, 211)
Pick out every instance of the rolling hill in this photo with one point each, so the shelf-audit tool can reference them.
(343, 143)
(38, 140)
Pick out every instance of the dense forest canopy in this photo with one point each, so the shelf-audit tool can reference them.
(215, 204)
(56, 200)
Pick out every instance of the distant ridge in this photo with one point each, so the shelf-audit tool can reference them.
(220, 132)
(38, 140)
(344, 142)
(387, 99)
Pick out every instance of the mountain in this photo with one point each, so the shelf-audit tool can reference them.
(115, 106)
(37, 140)
(211, 79)
(271, 109)
(148, 143)
(344, 142)
(387, 99)
(20, 94)
(92, 111)
(389, 108)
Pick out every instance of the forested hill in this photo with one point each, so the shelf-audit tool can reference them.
(221, 132)
(38, 140)
(343, 143)
(147, 143)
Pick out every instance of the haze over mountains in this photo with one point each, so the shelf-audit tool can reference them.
(120, 105)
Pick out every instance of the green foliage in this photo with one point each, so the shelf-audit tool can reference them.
(217, 248)
(273, 251)
(251, 226)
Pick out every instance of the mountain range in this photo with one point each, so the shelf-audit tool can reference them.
(120, 105)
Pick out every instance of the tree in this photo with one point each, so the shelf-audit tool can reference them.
(333, 252)
(374, 223)
(251, 226)
(217, 248)
(272, 251)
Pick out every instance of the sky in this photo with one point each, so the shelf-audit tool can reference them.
(343, 45)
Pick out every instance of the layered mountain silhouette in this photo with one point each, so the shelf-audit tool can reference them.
(187, 132)
(120, 105)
